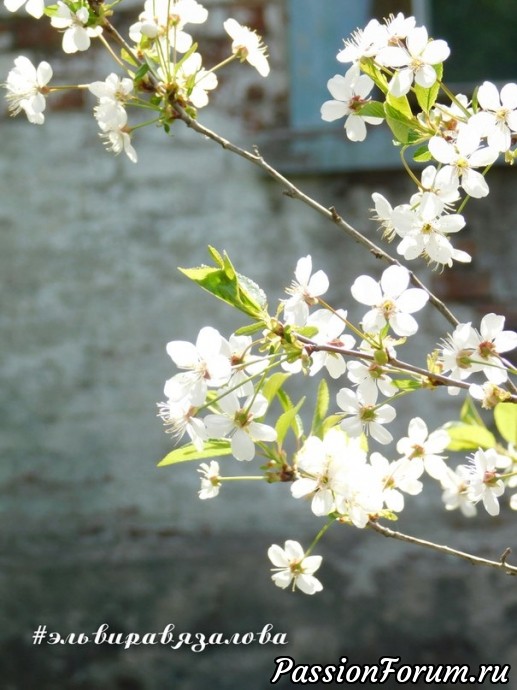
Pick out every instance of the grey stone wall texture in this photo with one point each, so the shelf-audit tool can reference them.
(92, 532)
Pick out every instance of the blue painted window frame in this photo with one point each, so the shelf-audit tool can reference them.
(316, 32)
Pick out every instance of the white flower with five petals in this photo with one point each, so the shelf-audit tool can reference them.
(413, 62)
(423, 449)
(292, 565)
(364, 415)
(304, 291)
(498, 115)
(391, 300)
(237, 420)
(351, 94)
(204, 364)
(26, 89)
(247, 45)
(462, 156)
(77, 35)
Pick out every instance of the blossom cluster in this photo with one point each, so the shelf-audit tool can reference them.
(225, 388)
(223, 393)
(464, 139)
(162, 69)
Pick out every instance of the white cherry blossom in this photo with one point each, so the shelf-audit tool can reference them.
(489, 394)
(77, 36)
(248, 45)
(179, 418)
(462, 156)
(364, 42)
(491, 342)
(437, 194)
(195, 81)
(391, 300)
(413, 62)
(363, 496)
(293, 566)
(370, 376)
(455, 485)
(483, 481)
(204, 364)
(398, 27)
(426, 233)
(238, 421)
(166, 19)
(210, 480)
(397, 477)
(304, 291)
(498, 115)
(456, 354)
(330, 327)
(321, 471)
(27, 87)
(350, 93)
(364, 415)
(35, 8)
(424, 449)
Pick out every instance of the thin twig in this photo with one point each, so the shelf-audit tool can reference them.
(432, 377)
(329, 213)
(501, 564)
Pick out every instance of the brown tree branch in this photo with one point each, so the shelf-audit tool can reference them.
(501, 564)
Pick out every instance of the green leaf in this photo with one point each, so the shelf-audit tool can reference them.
(422, 154)
(469, 437)
(407, 384)
(289, 419)
(321, 408)
(401, 105)
(212, 449)
(227, 285)
(369, 67)
(505, 415)
(372, 109)
(142, 71)
(469, 413)
(307, 331)
(127, 57)
(250, 329)
(427, 97)
(402, 125)
(273, 385)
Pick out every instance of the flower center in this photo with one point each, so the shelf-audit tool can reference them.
(501, 115)
(463, 360)
(418, 452)
(388, 308)
(486, 349)
(242, 418)
(367, 413)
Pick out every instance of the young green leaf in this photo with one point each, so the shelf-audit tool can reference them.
(402, 125)
(505, 416)
(372, 109)
(289, 419)
(469, 437)
(321, 408)
(422, 154)
(469, 413)
(211, 449)
(273, 385)
(227, 285)
(407, 384)
(427, 97)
